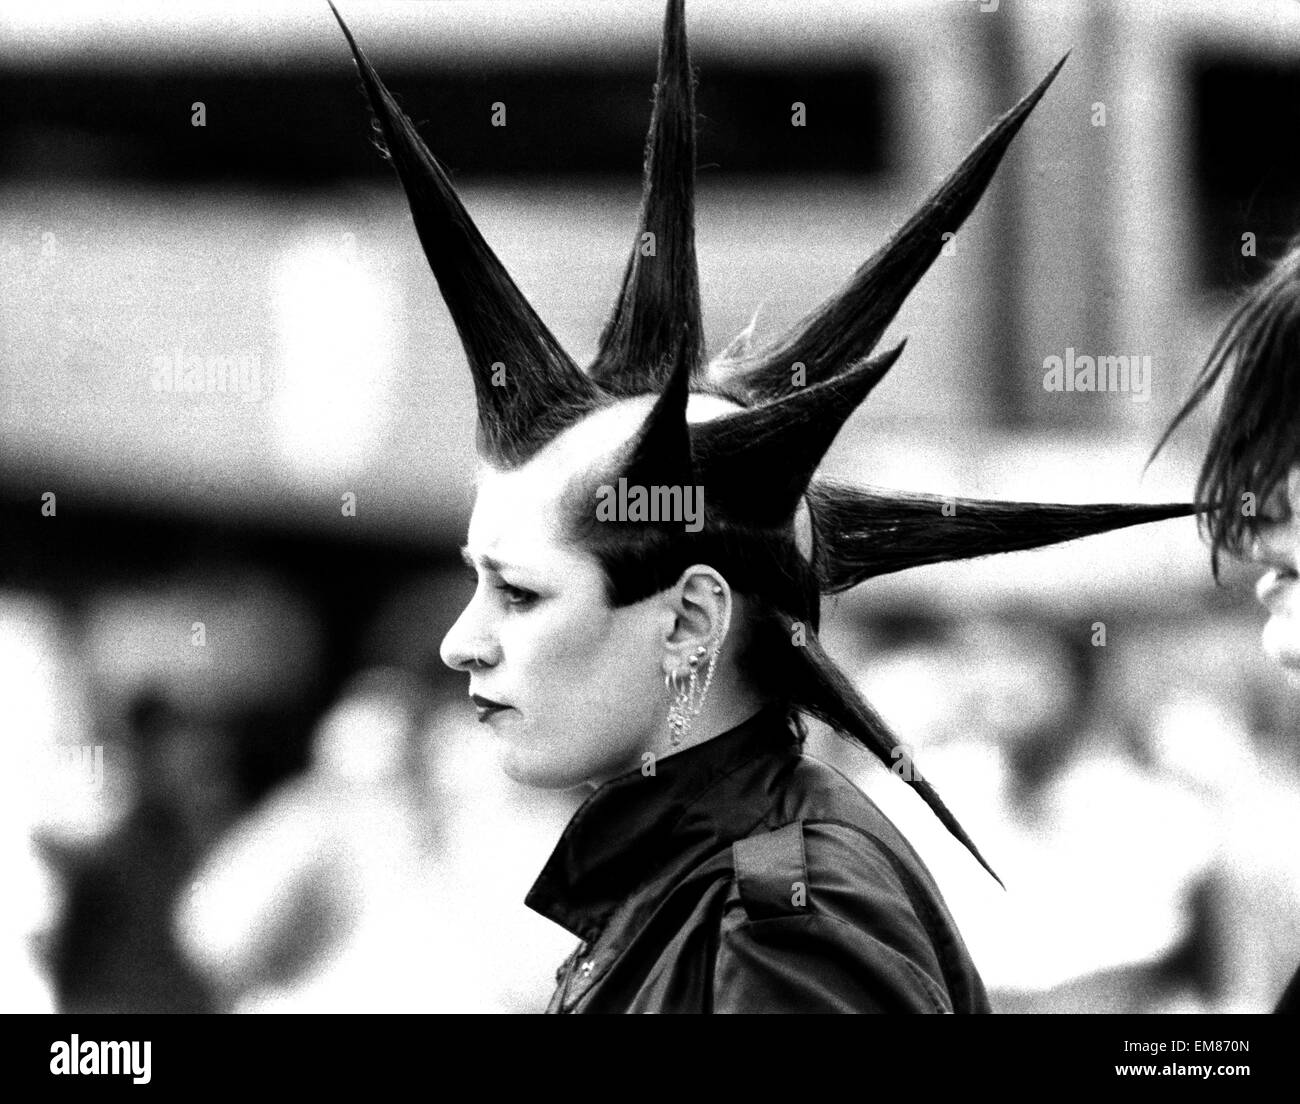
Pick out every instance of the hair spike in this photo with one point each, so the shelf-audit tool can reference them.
(743, 343)
(544, 390)
(862, 533)
(829, 695)
(847, 326)
(757, 463)
(658, 306)
(660, 454)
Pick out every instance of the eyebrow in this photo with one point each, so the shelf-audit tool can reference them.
(490, 562)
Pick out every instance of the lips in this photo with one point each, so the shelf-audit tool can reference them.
(1278, 590)
(486, 706)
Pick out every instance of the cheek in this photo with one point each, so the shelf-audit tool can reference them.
(587, 682)
(554, 639)
(1286, 536)
(594, 659)
(616, 682)
(588, 693)
(626, 653)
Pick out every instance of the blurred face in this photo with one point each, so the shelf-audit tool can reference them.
(579, 683)
(1277, 547)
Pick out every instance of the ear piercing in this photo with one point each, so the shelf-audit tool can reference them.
(686, 705)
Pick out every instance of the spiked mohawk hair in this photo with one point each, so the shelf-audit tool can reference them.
(755, 463)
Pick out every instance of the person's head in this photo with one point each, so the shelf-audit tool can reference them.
(578, 632)
(589, 602)
(1249, 481)
(374, 732)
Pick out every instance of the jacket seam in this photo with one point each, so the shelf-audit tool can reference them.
(928, 984)
(936, 928)
(905, 876)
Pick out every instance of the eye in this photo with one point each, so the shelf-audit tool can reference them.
(1275, 509)
(516, 596)
(1271, 517)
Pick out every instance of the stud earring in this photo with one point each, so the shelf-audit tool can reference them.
(687, 703)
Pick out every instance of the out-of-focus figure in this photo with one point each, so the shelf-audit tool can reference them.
(43, 791)
(185, 671)
(1105, 860)
(1249, 786)
(368, 883)
(115, 951)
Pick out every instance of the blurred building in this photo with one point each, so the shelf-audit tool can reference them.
(225, 368)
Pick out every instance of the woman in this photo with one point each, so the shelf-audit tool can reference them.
(651, 550)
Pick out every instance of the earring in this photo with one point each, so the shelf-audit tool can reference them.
(686, 705)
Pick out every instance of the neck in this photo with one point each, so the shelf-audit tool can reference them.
(722, 712)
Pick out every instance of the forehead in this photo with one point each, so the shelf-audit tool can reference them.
(517, 512)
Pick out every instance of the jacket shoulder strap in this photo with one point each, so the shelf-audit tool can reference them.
(771, 873)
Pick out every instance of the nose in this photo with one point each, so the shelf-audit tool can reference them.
(1275, 540)
(469, 644)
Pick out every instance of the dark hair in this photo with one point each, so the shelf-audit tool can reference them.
(756, 464)
(1256, 436)
(782, 653)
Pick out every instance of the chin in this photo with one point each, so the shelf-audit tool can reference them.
(529, 767)
(1281, 640)
(537, 771)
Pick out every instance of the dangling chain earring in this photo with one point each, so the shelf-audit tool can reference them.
(685, 707)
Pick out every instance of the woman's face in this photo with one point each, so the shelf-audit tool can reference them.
(581, 682)
(1277, 547)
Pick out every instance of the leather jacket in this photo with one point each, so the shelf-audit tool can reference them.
(741, 875)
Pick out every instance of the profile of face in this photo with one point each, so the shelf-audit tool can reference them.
(581, 682)
(1276, 546)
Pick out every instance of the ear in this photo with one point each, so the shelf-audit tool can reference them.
(699, 604)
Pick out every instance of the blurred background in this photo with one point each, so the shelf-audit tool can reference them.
(236, 435)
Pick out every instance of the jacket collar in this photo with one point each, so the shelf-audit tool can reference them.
(632, 826)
